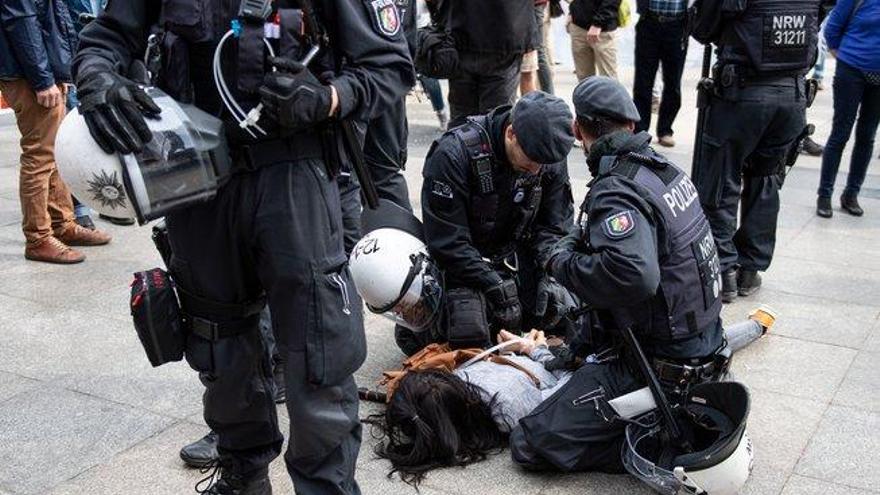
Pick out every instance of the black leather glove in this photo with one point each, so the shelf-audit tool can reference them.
(565, 245)
(553, 302)
(296, 100)
(563, 359)
(504, 305)
(114, 108)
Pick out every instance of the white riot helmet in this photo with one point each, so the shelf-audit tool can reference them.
(393, 272)
(715, 420)
(182, 164)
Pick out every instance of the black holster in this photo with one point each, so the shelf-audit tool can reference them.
(466, 320)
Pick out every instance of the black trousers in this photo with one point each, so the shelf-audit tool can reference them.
(567, 434)
(385, 153)
(746, 138)
(483, 81)
(277, 231)
(658, 43)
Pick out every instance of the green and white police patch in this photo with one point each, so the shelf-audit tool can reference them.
(387, 17)
(619, 225)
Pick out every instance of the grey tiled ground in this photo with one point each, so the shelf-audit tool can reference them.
(82, 412)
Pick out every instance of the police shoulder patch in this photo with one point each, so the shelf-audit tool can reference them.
(619, 225)
(386, 16)
(442, 189)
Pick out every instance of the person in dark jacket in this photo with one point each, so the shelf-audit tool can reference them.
(492, 213)
(642, 257)
(591, 25)
(37, 41)
(853, 32)
(491, 37)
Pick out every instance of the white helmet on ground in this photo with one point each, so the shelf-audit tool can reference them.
(714, 419)
(393, 272)
(180, 165)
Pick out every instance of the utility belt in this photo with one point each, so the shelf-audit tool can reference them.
(681, 375)
(301, 146)
(729, 79)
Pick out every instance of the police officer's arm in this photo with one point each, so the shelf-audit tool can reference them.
(445, 200)
(378, 70)
(116, 37)
(18, 20)
(555, 217)
(707, 22)
(621, 267)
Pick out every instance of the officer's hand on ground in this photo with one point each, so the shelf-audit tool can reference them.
(296, 100)
(504, 305)
(114, 108)
(553, 302)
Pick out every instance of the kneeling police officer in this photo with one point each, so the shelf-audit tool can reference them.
(274, 229)
(495, 199)
(642, 257)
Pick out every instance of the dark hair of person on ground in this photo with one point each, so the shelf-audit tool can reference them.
(436, 419)
(597, 127)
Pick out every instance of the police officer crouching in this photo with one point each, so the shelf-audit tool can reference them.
(754, 122)
(274, 230)
(495, 199)
(642, 257)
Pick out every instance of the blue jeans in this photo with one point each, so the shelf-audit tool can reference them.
(852, 96)
(435, 94)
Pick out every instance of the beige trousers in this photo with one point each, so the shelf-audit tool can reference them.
(589, 59)
(46, 206)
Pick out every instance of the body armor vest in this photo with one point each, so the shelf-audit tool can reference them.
(771, 37)
(495, 233)
(688, 300)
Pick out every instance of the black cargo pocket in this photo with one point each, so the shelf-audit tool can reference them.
(335, 341)
(192, 20)
(709, 173)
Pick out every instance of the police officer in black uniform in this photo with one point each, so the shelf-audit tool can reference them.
(641, 257)
(274, 231)
(754, 121)
(495, 199)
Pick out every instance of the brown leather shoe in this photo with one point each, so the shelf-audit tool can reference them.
(51, 250)
(79, 236)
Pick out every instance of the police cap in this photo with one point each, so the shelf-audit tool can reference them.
(542, 124)
(599, 96)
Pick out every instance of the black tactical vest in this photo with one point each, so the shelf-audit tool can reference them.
(495, 232)
(687, 301)
(770, 37)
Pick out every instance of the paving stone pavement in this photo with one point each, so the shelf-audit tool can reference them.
(82, 412)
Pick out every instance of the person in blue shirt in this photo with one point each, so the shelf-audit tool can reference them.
(853, 35)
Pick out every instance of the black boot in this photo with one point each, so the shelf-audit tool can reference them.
(749, 281)
(201, 452)
(850, 204)
(229, 483)
(823, 207)
(728, 286)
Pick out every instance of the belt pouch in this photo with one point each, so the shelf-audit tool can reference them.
(156, 314)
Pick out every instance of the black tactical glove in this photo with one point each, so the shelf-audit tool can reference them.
(563, 359)
(114, 109)
(504, 305)
(553, 302)
(565, 245)
(295, 99)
